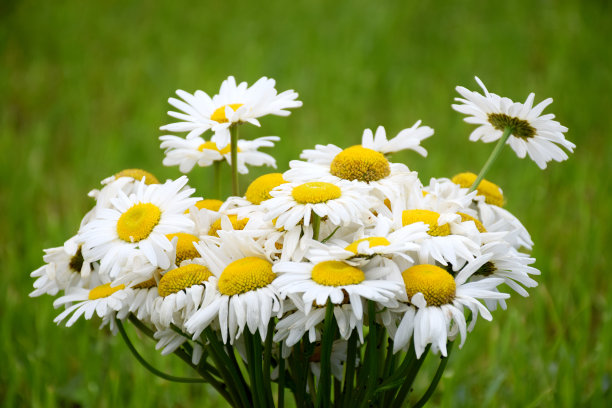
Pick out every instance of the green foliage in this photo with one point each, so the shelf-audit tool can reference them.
(84, 88)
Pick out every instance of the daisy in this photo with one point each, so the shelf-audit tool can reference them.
(245, 294)
(531, 133)
(186, 153)
(103, 300)
(437, 301)
(234, 104)
(342, 202)
(409, 138)
(138, 224)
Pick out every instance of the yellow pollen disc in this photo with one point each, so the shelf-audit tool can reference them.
(219, 113)
(138, 174)
(146, 284)
(236, 224)
(181, 278)
(184, 246)
(245, 275)
(491, 192)
(209, 204)
(337, 273)
(213, 146)
(374, 242)
(104, 291)
(138, 221)
(428, 217)
(465, 217)
(315, 192)
(360, 163)
(436, 285)
(259, 189)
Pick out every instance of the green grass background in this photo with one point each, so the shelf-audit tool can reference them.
(84, 88)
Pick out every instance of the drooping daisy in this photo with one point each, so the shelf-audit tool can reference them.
(437, 301)
(244, 296)
(532, 133)
(409, 138)
(103, 300)
(138, 224)
(235, 103)
(341, 202)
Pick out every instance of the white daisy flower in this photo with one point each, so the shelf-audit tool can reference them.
(364, 166)
(337, 282)
(103, 300)
(532, 133)
(186, 153)
(233, 104)
(409, 138)
(245, 295)
(65, 268)
(138, 224)
(438, 301)
(341, 202)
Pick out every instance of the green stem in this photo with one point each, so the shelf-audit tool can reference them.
(412, 373)
(327, 340)
(281, 380)
(141, 326)
(372, 356)
(436, 379)
(267, 359)
(148, 366)
(217, 170)
(234, 155)
(316, 225)
(349, 375)
(492, 158)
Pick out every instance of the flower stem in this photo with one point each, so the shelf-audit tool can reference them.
(234, 156)
(316, 225)
(148, 366)
(436, 379)
(217, 188)
(492, 158)
(327, 340)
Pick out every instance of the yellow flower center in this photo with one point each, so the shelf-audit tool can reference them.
(428, 217)
(236, 224)
(184, 246)
(491, 192)
(337, 273)
(138, 174)
(360, 163)
(436, 285)
(465, 217)
(209, 204)
(245, 275)
(219, 113)
(103, 291)
(138, 221)
(374, 242)
(146, 284)
(259, 189)
(315, 192)
(213, 146)
(181, 278)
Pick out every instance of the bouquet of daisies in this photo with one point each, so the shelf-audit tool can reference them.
(330, 282)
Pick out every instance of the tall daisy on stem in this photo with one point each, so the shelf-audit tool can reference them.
(520, 125)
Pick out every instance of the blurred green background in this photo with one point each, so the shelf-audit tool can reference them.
(84, 89)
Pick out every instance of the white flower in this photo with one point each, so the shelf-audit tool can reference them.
(103, 300)
(532, 133)
(235, 103)
(138, 225)
(438, 301)
(341, 202)
(244, 293)
(409, 138)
